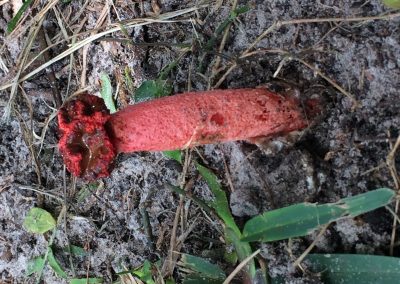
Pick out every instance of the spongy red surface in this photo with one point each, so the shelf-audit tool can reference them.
(196, 118)
(84, 144)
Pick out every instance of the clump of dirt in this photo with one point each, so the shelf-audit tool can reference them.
(340, 155)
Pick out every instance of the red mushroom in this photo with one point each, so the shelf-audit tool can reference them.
(91, 137)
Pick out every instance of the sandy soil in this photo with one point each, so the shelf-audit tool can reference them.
(340, 155)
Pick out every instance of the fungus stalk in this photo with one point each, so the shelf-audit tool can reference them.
(91, 136)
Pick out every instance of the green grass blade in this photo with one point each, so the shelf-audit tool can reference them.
(202, 267)
(220, 204)
(352, 268)
(292, 221)
(75, 250)
(86, 281)
(302, 219)
(13, 23)
(55, 265)
(107, 92)
(152, 89)
(175, 155)
(368, 201)
(243, 249)
(198, 279)
(221, 207)
(144, 273)
(392, 3)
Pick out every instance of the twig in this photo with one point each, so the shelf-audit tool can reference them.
(50, 75)
(240, 267)
(307, 251)
(27, 187)
(169, 264)
(330, 81)
(195, 199)
(391, 164)
(280, 24)
(214, 70)
(163, 18)
(396, 218)
(23, 57)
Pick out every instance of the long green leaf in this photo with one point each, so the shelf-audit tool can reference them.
(198, 279)
(242, 249)
(202, 267)
(221, 207)
(107, 92)
(392, 3)
(301, 219)
(12, 24)
(174, 154)
(152, 89)
(75, 250)
(144, 273)
(55, 265)
(220, 203)
(352, 268)
(86, 281)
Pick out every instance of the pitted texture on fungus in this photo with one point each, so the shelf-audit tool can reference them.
(199, 118)
(84, 144)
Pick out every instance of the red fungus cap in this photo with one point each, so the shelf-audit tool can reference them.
(84, 144)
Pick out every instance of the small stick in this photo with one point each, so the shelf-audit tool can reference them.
(280, 24)
(391, 164)
(240, 267)
(307, 251)
(50, 75)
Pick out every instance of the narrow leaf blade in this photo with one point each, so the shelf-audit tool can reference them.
(392, 3)
(75, 250)
(152, 89)
(287, 222)
(86, 281)
(107, 92)
(13, 23)
(368, 201)
(220, 204)
(352, 268)
(175, 155)
(55, 265)
(202, 267)
(303, 218)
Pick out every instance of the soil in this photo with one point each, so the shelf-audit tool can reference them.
(341, 154)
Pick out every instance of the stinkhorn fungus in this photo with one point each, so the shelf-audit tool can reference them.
(91, 136)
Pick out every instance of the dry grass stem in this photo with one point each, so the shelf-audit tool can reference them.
(240, 267)
(162, 18)
(391, 164)
(310, 247)
(279, 24)
(330, 81)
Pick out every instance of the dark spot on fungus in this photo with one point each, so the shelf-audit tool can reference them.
(217, 119)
